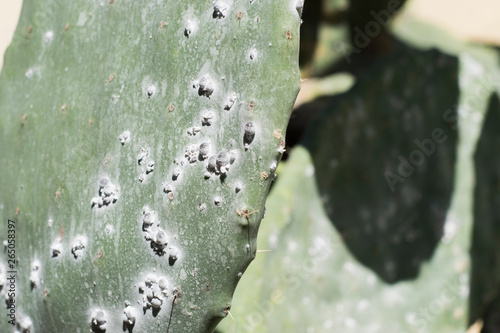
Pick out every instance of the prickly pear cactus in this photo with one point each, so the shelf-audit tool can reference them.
(139, 141)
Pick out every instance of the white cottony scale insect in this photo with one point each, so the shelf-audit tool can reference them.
(206, 86)
(222, 162)
(188, 29)
(98, 321)
(230, 102)
(124, 137)
(212, 163)
(249, 133)
(129, 315)
(204, 150)
(220, 9)
(206, 118)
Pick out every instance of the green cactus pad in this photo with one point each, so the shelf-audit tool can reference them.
(139, 141)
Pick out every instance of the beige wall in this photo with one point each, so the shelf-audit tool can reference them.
(471, 20)
(9, 14)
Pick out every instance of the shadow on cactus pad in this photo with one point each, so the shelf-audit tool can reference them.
(484, 302)
(384, 155)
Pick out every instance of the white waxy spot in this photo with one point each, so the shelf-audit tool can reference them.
(35, 278)
(98, 321)
(3, 276)
(124, 137)
(204, 150)
(48, 37)
(56, 247)
(220, 9)
(108, 193)
(29, 73)
(206, 86)
(96, 202)
(109, 229)
(252, 54)
(163, 284)
(217, 201)
(207, 118)
(299, 6)
(104, 181)
(154, 291)
(142, 156)
(161, 241)
(281, 148)
(249, 130)
(238, 187)
(151, 90)
(148, 218)
(24, 324)
(192, 153)
(188, 29)
(230, 101)
(212, 163)
(222, 162)
(150, 167)
(167, 188)
(129, 315)
(78, 246)
(249, 134)
(192, 131)
(156, 303)
(176, 173)
(173, 254)
(232, 156)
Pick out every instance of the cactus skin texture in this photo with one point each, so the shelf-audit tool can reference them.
(125, 221)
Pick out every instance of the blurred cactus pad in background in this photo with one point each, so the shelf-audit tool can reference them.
(384, 217)
(140, 141)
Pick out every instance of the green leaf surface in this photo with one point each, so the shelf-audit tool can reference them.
(104, 107)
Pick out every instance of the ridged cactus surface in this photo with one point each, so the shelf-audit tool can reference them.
(138, 142)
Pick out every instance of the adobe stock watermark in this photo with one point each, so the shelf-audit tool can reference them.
(427, 314)
(416, 158)
(426, 147)
(372, 29)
